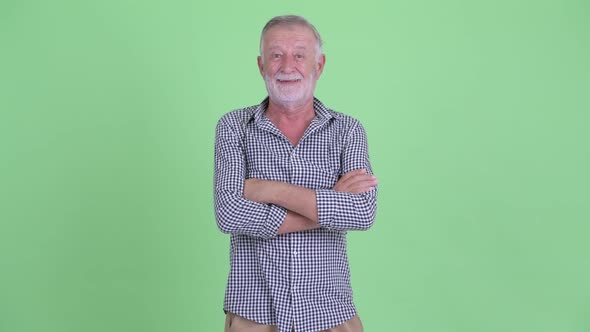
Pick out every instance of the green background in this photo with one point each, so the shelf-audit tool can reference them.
(476, 113)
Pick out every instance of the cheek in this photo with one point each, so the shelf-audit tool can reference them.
(272, 69)
(310, 68)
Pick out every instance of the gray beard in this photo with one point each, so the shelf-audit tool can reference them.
(290, 99)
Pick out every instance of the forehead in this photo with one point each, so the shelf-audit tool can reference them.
(289, 35)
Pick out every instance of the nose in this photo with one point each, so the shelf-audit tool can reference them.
(288, 64)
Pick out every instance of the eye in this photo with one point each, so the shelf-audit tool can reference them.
(275, 56)
(299, 56)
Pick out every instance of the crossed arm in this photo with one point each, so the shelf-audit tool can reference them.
(300, 202)
(263, 208)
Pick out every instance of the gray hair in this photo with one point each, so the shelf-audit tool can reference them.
(289, 20)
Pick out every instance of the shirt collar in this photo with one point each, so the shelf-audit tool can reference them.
(322, 112)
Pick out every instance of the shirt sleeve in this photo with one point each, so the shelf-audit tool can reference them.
(235, 214)
(346, 211)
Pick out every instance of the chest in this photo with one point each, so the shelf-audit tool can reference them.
(293, 134)
(314, 161)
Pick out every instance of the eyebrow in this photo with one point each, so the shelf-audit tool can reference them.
(278, 47)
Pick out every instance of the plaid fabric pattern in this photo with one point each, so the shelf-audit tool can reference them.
(298, 281)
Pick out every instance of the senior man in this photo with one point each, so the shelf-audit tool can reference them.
(291, 178)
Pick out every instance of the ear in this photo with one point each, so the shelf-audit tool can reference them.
(260, 66)
(320, 64)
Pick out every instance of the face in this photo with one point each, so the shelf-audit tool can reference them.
(290, 64)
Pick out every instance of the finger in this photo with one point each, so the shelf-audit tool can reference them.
(363, 185)
(349, 175)
(353, 173)
(359, 178)
(355, 183)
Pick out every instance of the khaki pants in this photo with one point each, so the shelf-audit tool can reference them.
(235, 323)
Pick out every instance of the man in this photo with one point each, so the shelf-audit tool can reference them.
(291, 178)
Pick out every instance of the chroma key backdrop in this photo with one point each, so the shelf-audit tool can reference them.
(477, 119)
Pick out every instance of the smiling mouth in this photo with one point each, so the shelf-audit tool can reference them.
(288, 80)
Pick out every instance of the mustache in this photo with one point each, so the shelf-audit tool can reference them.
(288, 77)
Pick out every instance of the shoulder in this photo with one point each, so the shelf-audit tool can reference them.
(237, 119)
(344, 118)
(344, 122)
(240, 115)
(339, 119)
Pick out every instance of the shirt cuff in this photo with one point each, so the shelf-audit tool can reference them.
(276, 216)
(327, 201)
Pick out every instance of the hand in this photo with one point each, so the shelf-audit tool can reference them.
(355, 182)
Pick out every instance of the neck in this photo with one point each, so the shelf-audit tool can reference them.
(294, 114)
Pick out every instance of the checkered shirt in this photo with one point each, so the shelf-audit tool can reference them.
(298, 281)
